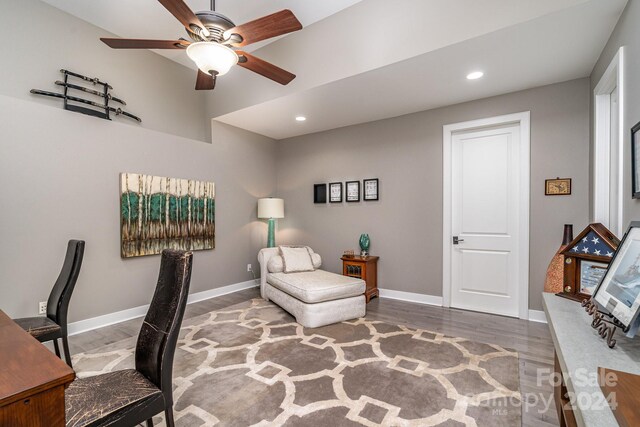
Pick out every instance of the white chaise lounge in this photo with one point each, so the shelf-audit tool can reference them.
(315, 298)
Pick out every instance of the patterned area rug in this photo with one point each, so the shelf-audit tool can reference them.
(251, 364)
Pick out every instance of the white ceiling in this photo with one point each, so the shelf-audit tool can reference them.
(359, 61)
(123, 17)
(535, 53)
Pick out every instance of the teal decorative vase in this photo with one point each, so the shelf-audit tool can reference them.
(365, 242)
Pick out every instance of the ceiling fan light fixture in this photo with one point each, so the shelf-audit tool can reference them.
(212, 58)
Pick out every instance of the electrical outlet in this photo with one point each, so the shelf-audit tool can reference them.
(249, 267)
(42, 307)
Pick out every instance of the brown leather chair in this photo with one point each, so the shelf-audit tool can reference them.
(129, 397)
(54, 325)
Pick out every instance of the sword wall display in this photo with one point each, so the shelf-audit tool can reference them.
(105, 109)
(94, 80)
(117, 111)
(94, 92)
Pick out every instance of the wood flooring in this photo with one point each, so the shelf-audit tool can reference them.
(531, 340)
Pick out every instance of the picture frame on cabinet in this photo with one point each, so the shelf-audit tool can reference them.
(635, 161)
(619, 289)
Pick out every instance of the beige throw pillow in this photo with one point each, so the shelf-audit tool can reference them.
(296, 259)
(317, 260)
(275, 264)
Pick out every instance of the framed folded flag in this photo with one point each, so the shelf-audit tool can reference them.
(586, 260)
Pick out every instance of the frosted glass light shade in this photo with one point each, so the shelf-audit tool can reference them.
(212, 57)
(270, 208)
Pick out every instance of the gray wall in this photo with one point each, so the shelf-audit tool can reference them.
(61, 169)
(405, 153)
(626, 33)
(61, 174)
(39, 40)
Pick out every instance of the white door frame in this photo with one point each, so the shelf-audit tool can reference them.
(524, 120)
(613, 77)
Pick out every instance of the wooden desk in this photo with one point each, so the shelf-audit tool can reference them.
(32, 379)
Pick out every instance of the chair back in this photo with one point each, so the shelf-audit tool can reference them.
(58, 302)
(159, 333)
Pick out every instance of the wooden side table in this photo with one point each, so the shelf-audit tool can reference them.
(365, 268)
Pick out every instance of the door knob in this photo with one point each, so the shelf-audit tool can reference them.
(457, 240)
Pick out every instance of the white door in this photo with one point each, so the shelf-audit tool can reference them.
(614, 173)
(485, 218)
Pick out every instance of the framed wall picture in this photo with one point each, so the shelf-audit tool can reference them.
(635, 161)
(320, 193)
(353, 191)
(335, 192)
(619, 290)
(557, 187)
(370, 189)
(166, 222)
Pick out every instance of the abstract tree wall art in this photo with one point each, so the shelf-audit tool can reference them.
(158, 213)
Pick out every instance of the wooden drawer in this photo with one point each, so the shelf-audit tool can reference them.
(44, 409)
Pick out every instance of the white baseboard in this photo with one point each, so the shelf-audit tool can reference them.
(411, 297)
(132, 313)
(537, 316)
(218, 292)
(534, 315)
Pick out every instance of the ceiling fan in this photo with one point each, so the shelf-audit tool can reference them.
(214, 37)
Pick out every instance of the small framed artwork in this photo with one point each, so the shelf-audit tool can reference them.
(320, 193)
(353, 191)
(619, 290)
(557, 187)
(635, 161)
(335, 192)
(370, 189)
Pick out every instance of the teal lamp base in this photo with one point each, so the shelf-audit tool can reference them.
(271, 239)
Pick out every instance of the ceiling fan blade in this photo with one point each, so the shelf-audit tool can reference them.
(264, 68)
(181, 11)
(205, 82)
(145, 44)
(273, 25)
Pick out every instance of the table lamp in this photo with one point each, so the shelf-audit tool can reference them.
(271, 209)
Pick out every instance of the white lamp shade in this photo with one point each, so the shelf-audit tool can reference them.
(270, 208)
(211, 57)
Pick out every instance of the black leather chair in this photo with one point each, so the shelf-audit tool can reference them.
(129, 397)
(54, 325)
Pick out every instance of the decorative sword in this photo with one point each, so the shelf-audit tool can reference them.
(94, 80)
(118, 111)
(94, 92)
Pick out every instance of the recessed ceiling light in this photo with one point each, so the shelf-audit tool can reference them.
(475, 75)
(301, 119)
